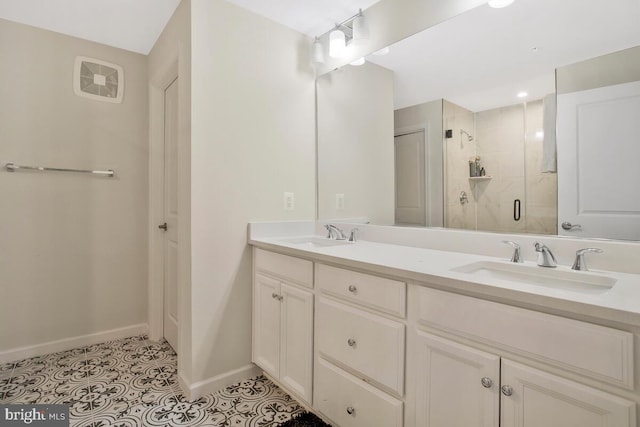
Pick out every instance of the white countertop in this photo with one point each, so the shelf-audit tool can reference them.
(620, 304)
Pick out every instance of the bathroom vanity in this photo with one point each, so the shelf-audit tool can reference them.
(383, 334)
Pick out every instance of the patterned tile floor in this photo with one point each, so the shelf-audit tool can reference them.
(133, 382)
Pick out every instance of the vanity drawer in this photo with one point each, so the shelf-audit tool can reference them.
(599, 352)
(370, 345)
(291, 269)
(350, 402)
(370, 291)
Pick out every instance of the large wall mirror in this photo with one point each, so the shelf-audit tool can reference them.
(456, 126)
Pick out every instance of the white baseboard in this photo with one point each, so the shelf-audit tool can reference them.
(71, 343)
(211, 385)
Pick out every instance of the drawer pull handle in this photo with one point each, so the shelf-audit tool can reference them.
(276, 296)
(351, 342)
(353, 289)
(351, 410)
(486, 382)
(506, 390)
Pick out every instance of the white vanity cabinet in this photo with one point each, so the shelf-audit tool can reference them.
(283, 320)
(454, 384)
(360, 348)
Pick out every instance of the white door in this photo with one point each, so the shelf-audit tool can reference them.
(539, 399)
(410, 179)
(296, 335)
(170, 317)
(266, 324)
(598, 162)
(455, 385)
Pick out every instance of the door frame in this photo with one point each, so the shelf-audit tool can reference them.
(157, 85)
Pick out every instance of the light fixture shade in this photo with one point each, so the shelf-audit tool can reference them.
(360, 30)
(497, 4)
(357, 62)
(317, 52)
(337, 44)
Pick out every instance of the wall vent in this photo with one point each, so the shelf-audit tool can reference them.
(98, 80)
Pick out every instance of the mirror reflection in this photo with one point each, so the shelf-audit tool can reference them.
(434, 134)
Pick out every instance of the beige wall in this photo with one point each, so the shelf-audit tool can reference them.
(606, 70)
(355, 150)
(74, 247)
(252, 138)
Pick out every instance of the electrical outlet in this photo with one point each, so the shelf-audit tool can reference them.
(289, 201)
(339, 201)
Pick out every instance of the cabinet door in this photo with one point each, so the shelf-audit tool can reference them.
(266, 324)
(455, 385)
(296, 346)
(539, 399)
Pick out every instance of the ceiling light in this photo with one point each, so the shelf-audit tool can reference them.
(522, 94)
(357, 62)
(497, 4)
(317, 52)
(382, 52)
(337, 44)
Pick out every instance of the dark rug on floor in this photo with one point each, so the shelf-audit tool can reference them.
(306, 419)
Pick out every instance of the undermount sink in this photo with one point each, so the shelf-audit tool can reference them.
(314, 241)
(576, 281)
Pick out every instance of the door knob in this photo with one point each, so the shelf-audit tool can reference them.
(163, 226)
(486, 382)
(507, 390)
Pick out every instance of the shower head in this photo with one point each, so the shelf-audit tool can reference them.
(469, 137)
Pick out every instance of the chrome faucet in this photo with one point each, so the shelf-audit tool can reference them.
(545, 256)
(517, 256)
(334, 232)
(579, 263)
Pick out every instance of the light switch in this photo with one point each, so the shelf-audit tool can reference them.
(289, 201)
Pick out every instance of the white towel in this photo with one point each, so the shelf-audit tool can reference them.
(549, 163)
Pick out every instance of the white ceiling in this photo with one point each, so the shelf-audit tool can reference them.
(479, 59)
(133, 25)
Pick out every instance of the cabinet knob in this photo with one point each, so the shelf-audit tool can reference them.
(486, 382)
(351, 342)
(353, 289)
(506, 390)
(351, 410)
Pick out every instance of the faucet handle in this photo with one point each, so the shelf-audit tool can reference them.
(517, 256)
(545, 256)
(353, 236)
(580, 264)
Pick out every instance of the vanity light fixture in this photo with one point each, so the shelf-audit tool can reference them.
(317, 52)
(337, 43)
(497, 4)
(360, 29)
(352, 31)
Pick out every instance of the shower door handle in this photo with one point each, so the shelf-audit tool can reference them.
(163, 226)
